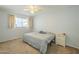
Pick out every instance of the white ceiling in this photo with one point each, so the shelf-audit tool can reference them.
(20, 8)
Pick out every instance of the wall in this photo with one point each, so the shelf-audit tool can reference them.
(5, 32)
(60, 19)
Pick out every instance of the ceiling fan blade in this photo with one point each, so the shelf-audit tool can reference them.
(26, 9)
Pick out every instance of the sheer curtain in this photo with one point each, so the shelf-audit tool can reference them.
(11, 21)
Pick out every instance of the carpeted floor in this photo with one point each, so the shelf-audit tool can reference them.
(18, 46)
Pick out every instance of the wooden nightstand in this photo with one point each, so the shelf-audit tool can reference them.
(60, 39)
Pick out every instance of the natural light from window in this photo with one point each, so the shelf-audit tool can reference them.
(21, 22)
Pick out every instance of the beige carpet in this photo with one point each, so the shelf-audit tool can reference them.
(18, 46)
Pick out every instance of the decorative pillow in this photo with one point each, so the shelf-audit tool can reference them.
(42, 32)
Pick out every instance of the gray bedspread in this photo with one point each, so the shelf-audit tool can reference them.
(38, 40)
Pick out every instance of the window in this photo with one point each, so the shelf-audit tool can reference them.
(21, 22)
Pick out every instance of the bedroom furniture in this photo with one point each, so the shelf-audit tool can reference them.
(60, 39)
(38, 40)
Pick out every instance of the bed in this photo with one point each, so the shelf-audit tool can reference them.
(38, 40)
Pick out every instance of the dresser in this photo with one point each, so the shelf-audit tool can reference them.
(61, 39)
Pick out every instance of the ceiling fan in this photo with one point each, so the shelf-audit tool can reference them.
(32, 9)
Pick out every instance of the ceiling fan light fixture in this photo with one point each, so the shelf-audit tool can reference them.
(32, 12)
(32, 9)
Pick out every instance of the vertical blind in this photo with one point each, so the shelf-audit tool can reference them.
(21, 22)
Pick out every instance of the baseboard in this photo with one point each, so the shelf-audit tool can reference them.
(72, 46)
(10, 39)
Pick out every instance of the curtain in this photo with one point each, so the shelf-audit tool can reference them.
(11, 21)
(30, 22)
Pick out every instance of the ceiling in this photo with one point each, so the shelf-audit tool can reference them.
(20, 8)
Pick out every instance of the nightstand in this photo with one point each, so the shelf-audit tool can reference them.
(60, 39)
